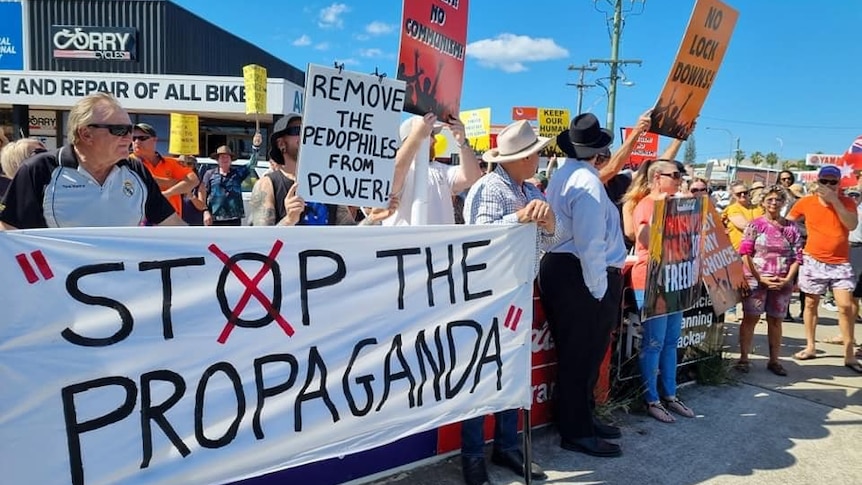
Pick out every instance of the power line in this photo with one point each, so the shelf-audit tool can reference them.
(780, 125)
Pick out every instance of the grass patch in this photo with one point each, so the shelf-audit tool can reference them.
(716, 371)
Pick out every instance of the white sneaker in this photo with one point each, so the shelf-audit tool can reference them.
(829, 306)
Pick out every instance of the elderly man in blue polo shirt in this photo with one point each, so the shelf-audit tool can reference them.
(580, 285)
(91, 181)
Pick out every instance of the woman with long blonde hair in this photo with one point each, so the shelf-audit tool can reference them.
(657, 355)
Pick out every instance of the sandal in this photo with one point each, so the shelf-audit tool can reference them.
(805, 355)
(679, 407)
(656, 410)
(854, 366)
(743, 366)
(776, 368)
(859, 353)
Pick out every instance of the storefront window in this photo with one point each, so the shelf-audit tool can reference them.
(162, 125)
(6, 130)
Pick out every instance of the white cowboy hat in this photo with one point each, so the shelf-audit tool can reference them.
(515, 142)
(407, 127)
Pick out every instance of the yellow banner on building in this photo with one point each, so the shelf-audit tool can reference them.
(254, 78)
(477, 126)
(184, 134)
(551, 122)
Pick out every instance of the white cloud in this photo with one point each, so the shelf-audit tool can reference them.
(348, 62)
(302, 41)
(361, 36)
(378, 28)
(509, 52)
(322, 46)
(331, 16)
(370, 52)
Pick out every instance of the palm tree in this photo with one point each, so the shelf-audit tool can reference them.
(756, 158)
(771, 159)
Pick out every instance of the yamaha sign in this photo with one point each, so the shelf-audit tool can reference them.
(102, 43)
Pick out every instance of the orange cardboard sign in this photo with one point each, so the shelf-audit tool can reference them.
(431, 56)
(525, 113)
(694, 69)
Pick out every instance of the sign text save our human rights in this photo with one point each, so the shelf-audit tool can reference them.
(349, 137)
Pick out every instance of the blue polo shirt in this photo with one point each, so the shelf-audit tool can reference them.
(53, 190)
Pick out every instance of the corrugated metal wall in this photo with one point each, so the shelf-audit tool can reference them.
(203, 48)
(171, 40)
(145, 15)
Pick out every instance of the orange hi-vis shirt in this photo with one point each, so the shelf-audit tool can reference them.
(828, 239)
(168, 168)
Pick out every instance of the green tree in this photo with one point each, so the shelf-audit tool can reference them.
(771, 159)
(690, 155)
(756, 158)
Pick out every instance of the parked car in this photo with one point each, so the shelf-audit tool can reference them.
(205, 163)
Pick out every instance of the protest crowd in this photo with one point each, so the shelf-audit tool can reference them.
(606, 232)
(591, 216)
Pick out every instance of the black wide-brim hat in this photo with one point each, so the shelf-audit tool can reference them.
(584, 138)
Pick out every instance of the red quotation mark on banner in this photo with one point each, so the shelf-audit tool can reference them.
(513, 317)
(251, 289)
(41, 265)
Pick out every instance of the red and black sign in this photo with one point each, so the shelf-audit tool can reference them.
(431, 58)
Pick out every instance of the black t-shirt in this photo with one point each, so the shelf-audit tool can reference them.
(616, 188)
(49, 191)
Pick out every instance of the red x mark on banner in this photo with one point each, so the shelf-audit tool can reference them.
(251, 289)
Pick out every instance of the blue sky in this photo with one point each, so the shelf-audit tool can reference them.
(789, 82)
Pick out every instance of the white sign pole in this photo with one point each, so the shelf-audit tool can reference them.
(419, 209)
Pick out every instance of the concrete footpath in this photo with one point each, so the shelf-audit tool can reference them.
(803, 428)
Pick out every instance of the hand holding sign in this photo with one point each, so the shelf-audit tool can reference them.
(293, 205)
(642, 126)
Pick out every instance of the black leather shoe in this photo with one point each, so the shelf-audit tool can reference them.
(474, 471)
(606, 431)
(592, 446)
(514, 460)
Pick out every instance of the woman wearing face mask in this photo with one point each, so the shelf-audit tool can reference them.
(657, 354)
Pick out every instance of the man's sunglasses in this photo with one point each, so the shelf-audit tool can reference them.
(116, 130)
(827, 181)
(141, 138)
(697, 191)
(673, 175)
(744, 193)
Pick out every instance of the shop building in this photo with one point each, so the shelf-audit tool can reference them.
(155, 56)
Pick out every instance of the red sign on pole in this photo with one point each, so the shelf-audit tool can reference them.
(525, 113)
(431, 57)
(646, 148)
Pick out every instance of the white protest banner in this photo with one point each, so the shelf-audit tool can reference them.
(210, 355)
(349, 137)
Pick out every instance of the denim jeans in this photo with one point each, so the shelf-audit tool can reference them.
(505, 434)
(657, 355)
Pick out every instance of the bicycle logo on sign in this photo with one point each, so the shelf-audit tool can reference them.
(80, 42)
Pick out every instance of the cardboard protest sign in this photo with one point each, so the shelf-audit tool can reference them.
(477, 127)
(694, 69)
(673, 271)
(184, 134)
(431, 56)
(551, 122)
(720, 263)
(254, 79)
(207, 356)
(646, 148)
(349, 137)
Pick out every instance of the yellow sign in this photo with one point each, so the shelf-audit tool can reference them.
(477, 126)
(551, 122)
(184, 134)
(254, 78)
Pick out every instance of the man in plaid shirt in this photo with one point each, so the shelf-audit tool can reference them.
(503, 197)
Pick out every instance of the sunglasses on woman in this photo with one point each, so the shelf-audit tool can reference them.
(116, 130)
(697, 191)
(673, 175)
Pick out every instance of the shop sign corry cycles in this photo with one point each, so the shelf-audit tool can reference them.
(105, 43)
